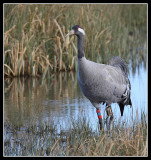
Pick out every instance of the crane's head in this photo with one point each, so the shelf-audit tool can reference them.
(76, 30)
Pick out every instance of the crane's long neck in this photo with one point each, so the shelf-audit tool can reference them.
(80, 46)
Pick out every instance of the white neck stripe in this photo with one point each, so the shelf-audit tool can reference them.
(81, 30)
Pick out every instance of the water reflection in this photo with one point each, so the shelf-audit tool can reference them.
(58, 100)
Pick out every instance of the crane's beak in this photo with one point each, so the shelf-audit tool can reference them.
(70, 33)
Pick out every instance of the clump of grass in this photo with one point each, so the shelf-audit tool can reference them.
(34, 42)
(79, 140)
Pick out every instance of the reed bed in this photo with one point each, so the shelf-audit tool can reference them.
(34, 35)
(79, 140)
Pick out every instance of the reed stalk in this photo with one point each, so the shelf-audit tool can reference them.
(35, 31)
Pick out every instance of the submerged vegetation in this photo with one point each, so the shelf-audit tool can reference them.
(79, 140)
(34, 35)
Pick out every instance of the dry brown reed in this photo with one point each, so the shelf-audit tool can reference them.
(34, 42)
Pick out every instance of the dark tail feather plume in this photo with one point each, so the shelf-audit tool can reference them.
(119, 62)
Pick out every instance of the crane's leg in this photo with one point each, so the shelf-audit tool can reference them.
(98, 113)
(100, 118)
(109, 113)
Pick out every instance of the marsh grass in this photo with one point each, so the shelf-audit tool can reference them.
(79, 140)
(34, 35)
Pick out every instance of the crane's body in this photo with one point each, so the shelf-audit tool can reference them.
(100, 82)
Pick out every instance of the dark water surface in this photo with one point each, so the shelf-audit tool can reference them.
(59, 101)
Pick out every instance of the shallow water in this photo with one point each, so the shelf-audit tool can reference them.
(59, 101)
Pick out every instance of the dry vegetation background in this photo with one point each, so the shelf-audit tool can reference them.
(34, 35)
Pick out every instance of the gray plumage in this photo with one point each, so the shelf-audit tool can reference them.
(100, 82)
(104, 83)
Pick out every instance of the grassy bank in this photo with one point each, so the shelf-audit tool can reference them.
(80, 140)
(34, 42)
